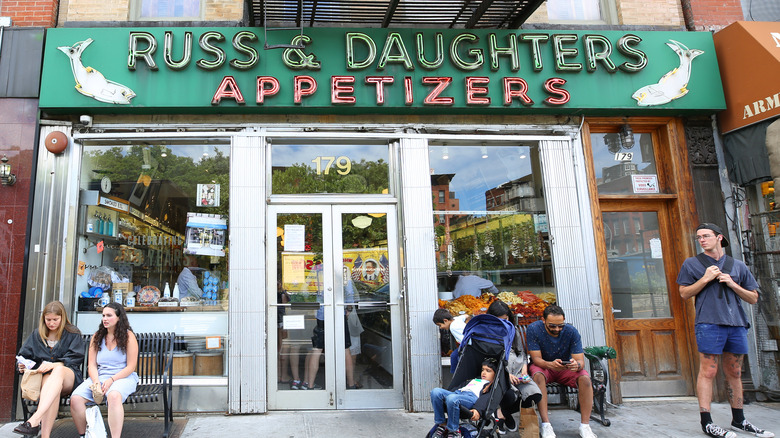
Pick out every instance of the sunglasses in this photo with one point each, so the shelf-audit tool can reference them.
(560, 326)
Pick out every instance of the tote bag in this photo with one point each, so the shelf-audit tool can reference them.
(31, 385)
(95, 426)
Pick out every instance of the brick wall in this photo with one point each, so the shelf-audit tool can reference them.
(28, 13)
(18, 119)
(712, 15)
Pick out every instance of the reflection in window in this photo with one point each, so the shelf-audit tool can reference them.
(329, 168)
(495, 237)
(624, 167)
(636, 266)
(151, 9)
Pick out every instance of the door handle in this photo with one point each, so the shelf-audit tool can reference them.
(367, 304)
(614, 310)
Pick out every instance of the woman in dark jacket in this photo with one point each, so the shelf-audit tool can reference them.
(58, 351)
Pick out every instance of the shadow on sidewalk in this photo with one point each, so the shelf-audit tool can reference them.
(134, 427)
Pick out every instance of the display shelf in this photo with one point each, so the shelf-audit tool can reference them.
(170, 309)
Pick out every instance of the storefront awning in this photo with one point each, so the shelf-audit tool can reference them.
(749, 59)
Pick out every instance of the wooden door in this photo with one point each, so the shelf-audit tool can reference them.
(644, 314)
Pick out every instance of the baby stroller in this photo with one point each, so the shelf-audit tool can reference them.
(484, 336)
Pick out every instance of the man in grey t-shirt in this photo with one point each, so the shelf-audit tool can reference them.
(720, 284)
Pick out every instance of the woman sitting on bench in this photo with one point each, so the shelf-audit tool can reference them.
(58, 350)
(113, 355)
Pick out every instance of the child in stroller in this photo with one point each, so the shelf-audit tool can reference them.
(471, 401)
(485, 337)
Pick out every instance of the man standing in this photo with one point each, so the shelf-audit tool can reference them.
(720, 284)
(557, 356)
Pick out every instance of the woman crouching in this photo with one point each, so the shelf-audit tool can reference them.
(113, 355)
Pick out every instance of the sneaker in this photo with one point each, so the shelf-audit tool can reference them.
(501, 427)
(307, 386)
(716, 431)
(585, 431)
(510, 423)
(455, 434)
(295, 384)
(546, 431)
(749, 428)
(440, 432)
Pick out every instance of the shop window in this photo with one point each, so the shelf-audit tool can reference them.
(309, 168)
(592, 11)
(166, 10)
(625, 165)
(153, 235)
(495, 245)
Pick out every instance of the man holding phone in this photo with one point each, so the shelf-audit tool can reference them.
(557, 357)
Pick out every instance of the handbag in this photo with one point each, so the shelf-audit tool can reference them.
(31, 385)
(95, 426)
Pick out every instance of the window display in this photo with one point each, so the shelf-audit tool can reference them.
(153, 223)
(491, 229)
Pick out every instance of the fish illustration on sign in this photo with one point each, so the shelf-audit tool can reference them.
(91, 82)
(672, 85)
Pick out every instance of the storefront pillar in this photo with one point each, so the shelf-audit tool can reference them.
(420, 269)
(246, 315)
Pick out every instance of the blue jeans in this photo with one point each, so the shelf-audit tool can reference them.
(440, 398)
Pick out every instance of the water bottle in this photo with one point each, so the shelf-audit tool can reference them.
(110, 227)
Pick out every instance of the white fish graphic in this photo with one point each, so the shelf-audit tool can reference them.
(672, 85)
(91, 82)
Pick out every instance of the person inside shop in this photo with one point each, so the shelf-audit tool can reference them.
(719, 284)
(474, 285)
(187, 281)
(57, 349)
(475, 396)
(113, 356)
(523, 392)
(557, 357)
(288, 352)
(312, 365)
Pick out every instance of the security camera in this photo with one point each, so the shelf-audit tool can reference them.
(86, 120)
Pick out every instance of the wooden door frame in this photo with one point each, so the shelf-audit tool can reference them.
(674, 178)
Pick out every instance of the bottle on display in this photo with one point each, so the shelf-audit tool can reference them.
(167, 300)
(109, 226)
(98, 224)
(176, 291)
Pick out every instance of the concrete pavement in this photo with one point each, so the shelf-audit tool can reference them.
(676, 418)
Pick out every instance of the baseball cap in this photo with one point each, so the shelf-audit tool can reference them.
(716, 229)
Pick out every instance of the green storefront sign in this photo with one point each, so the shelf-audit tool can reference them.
(390, 71)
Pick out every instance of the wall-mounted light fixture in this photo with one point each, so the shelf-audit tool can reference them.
(6, 177)
(484, 151)
(445, 153)
(626, 136)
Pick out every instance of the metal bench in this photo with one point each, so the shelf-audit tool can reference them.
(155, 359)
(599, 376)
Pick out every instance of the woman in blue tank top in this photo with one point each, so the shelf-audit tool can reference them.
(113, 355)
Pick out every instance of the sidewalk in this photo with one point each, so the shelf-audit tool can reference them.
(676, 418)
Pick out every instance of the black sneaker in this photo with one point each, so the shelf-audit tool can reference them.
(716, 431)
(501, 427)
(749, 428)
(440, 432)
(511, 424)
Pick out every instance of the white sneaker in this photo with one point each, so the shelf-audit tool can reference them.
(547, 431)
(585, 431)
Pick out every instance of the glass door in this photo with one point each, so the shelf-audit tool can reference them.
(333, 285)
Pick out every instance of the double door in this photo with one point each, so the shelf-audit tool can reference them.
(333, 285)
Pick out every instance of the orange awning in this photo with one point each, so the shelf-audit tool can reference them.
(749, 59)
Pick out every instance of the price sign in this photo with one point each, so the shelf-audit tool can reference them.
(624, 156)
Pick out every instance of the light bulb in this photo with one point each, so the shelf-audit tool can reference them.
(484, 151)
(445, 153)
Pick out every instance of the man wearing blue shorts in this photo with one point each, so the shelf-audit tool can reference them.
(719, 286)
